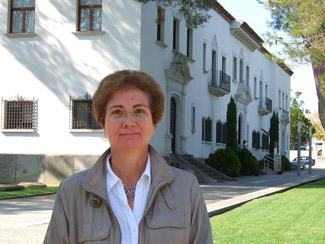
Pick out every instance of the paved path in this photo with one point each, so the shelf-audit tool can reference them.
(25, 220)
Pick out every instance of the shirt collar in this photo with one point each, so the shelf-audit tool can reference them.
(113, 179)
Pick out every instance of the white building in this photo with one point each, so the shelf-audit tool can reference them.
(54, 53)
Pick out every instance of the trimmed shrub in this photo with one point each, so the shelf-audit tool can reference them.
(249, 165)
(225, 161)
(285, 163)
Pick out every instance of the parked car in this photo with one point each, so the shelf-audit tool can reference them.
(304, 161)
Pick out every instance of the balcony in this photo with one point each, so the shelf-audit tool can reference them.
(265, 106)
(219, 83)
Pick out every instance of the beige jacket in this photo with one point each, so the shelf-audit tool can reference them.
(175, 212)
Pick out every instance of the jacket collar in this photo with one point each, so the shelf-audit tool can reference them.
(161, 174)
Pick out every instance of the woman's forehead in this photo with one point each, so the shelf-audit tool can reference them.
(128, 97)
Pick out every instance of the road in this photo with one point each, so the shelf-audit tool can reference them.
(25, 220)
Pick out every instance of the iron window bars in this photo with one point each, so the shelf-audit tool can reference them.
(82, 114)
(19, 114)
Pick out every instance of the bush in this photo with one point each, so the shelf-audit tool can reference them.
(225, 161)
(285, 163)
(249, 165)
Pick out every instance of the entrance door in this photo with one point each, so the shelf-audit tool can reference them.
(173, 123)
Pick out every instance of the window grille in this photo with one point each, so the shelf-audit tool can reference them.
(256, 139)
(208, 134)
(22, 16)
(206, 129)
(203, 128)
(90, 15)
(219, 132)
(193, 120)
(265, 141)
(224, 133)
(82, 114)
(19, 114)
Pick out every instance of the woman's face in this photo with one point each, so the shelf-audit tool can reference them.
(128, 120)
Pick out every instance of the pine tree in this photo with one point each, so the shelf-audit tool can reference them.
(274, 132)
(232, 126)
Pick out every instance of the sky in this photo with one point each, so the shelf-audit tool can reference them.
(256, 16)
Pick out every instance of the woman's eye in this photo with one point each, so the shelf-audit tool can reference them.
(117, 112)
(140, 111)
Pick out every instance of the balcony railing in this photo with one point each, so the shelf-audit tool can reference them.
(219, 83)
(265, 106)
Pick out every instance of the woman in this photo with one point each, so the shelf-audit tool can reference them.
(130, 195)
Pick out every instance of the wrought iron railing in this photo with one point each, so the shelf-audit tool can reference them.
(219, 79)
(266, 104)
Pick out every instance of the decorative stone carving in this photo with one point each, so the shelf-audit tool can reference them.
(179, 70)
(244, 94)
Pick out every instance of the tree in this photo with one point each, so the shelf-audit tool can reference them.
(304, 23)
(274, 132)
(319, 130)
(194, 12)
(232, 126)
(297, 112)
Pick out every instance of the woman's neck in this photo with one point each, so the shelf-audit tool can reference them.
(129, 165)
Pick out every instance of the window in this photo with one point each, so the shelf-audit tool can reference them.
(247, 75)
(255, 87)
(221, 136)
(90, 15)
(265, 141)
(82, 114)
(160, 25)
(235, 69)
(206, 129)
(241, 71)
(223, 64)
(19, 114)
(266, 91)
(22, 16)
(256, 139)
(189, 43)
(176, 34)
(204, 57)
(193, 119)
(283, 101)
(287, 103)
(279, 99)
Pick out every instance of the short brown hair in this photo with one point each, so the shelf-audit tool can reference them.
(124, 80)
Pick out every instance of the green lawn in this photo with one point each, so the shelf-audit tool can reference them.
(295, 216)
(29, 191)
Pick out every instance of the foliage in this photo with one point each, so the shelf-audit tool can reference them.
(319, 130)
(194, 12)
(29, 191)
(296, 113)
(299, 26)
(274, 132)
(285, 164)
(232, 126)
(304, 24)
(225, 161)
(249, 165)
(294, 216)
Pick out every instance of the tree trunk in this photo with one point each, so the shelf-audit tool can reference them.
(319, 75)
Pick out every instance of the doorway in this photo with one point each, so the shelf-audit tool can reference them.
(172, 130)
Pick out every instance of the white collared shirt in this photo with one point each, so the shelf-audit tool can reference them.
(128, 220)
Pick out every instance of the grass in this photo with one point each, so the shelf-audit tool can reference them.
(295, 216)
(29, 191)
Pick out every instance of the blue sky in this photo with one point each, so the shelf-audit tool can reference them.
(257, 16)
